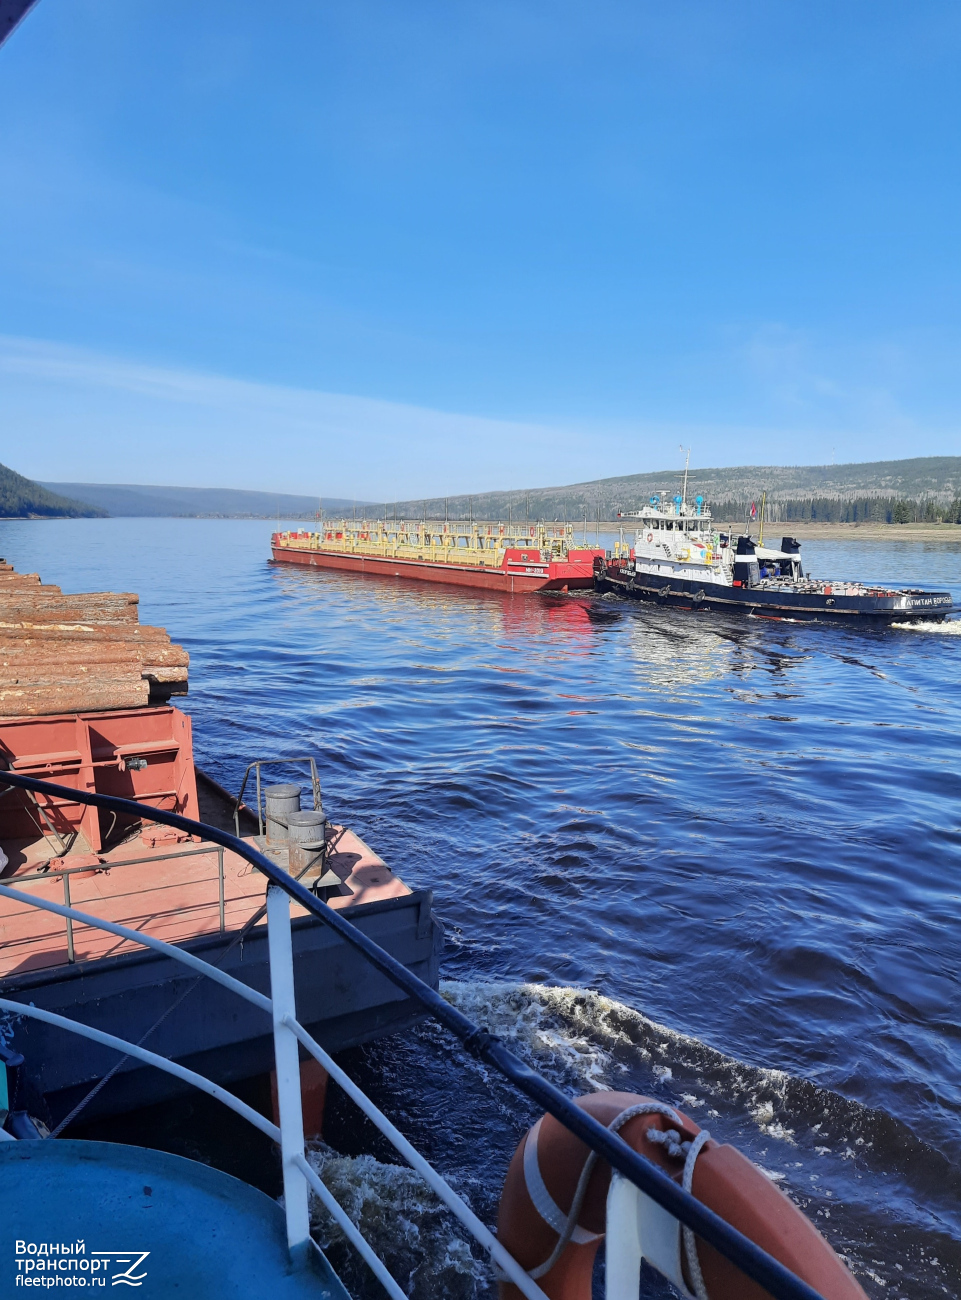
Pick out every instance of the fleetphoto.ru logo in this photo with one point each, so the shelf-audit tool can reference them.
(68, 1264)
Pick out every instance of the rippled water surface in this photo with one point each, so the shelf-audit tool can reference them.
(684, 853)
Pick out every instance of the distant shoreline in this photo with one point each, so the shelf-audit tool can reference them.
(809, 532)
(866, 532)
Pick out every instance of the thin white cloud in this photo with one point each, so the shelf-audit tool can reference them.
(855, 387)
(106, 419)
(73, 415)
(80, 416)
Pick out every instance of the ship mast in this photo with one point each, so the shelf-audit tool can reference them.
(684, 488)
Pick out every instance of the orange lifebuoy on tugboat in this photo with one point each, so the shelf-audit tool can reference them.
(552, 1170)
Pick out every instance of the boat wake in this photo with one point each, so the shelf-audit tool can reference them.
(594, 1041)
(829, 1153)
(422, 1245)
(950, 627)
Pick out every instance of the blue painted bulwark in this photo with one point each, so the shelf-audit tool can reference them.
(12, 12)
(172, 1226)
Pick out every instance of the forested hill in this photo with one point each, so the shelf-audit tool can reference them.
(894, 490)
(923, 482)
(21, 498)
(143, 500)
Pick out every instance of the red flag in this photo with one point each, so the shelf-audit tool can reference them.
(753, 510)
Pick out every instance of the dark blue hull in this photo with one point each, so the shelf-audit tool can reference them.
(769, 602)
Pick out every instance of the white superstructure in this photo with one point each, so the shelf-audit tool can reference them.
(675, 539)
(678, 540)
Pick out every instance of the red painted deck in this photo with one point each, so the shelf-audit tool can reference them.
(567, 575)
(174, 899)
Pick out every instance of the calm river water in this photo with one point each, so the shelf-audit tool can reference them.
(697, 856)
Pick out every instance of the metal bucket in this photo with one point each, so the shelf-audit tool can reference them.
(281, 801)
(306, 840)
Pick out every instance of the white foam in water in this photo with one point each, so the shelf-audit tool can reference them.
(526, 1015)
(577, 1032)
(951, 627)
(402, 1219)
(584, 1041)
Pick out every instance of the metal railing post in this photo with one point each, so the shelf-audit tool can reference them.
(287, 1064)
(67, 903)
(638, 1228)
(622, 1263)
(220, 873)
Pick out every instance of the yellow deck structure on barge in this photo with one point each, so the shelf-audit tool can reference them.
(476, 553)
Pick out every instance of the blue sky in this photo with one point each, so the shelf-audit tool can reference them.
(385, 250)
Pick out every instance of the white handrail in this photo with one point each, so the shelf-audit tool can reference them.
(147, 940)
(150, 1058)
(295, 1158)
(292, 1156)
(290, 1113)
(459, 1208)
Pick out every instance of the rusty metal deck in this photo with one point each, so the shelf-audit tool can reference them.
(174, 898)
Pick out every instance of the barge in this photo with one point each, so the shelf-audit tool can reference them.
(494, 556)
(60, 727)
(680, 559)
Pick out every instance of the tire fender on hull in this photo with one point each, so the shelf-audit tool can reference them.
(536, 1201)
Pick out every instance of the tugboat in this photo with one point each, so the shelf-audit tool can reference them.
(679, 559)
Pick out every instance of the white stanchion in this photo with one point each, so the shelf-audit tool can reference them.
(461, 1210)
(287, 1065)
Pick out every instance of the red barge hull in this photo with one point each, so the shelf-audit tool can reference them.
(574, 573)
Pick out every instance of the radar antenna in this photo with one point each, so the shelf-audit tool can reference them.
(684, 488)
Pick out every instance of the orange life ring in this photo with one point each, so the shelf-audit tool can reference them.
(551, 1164)
(650, 537)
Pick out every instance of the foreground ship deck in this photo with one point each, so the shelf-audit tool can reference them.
(648, 1200)
(198, 1232)
(494, 556)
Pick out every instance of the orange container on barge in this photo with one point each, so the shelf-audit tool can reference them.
(497, 556)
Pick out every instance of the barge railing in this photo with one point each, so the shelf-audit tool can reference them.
(272, 762)
(65, 873)
(298, 1175)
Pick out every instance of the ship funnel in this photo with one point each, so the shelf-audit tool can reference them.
(746, 569)
(791, 546)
